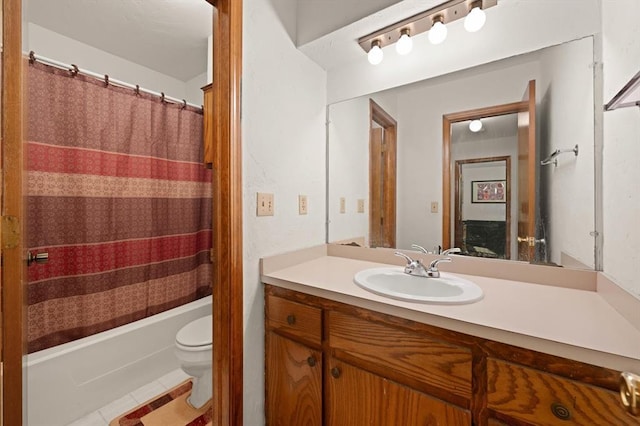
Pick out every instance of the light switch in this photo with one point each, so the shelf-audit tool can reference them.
(360, 205)
(302, 204)
(434, 207)
(343, 205)
(265, 205)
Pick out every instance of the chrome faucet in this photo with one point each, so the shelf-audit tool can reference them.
(452, 250)
(417, 268)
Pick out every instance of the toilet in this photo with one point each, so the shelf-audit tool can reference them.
(193, 350)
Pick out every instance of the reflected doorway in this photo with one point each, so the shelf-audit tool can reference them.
(382, 177)
(482, 225)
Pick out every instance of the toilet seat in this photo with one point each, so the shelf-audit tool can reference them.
(196, 334)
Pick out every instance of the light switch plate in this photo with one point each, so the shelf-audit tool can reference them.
(360, 205)
(343, 205)
(434, 207)
(302, 204)
(265, 204)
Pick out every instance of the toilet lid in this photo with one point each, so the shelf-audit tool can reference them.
(196, 333)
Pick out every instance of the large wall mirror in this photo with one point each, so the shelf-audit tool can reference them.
(491, 187)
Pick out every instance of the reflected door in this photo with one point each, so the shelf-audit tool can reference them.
(527, 175)
(382, 178)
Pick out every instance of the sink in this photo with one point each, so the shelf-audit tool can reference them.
(393, 282)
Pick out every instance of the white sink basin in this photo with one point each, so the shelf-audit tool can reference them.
(393, 282)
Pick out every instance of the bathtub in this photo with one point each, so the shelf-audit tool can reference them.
(68, 381)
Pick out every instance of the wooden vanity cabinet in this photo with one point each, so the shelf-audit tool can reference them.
(370, 368)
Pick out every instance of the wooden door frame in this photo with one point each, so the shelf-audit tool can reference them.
(227, 211)
(447, 166)
(378, 115)
(458, 209)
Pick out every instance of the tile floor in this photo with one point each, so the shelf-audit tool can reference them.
(104, 415)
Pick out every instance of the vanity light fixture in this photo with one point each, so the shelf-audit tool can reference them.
(435, 21)
(438, 31)
(405, 44)
(475, 126)
(375, 55)
(476, 18)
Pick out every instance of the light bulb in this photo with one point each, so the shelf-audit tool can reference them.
(438, 31)
(475, 20)
(475, 126)
(405, 44)
(375, 55)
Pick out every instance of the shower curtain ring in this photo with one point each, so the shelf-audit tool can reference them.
(137, 90)
(184, 104)
(32, 57)
(75, 70)
(106, 80)
(162, 97)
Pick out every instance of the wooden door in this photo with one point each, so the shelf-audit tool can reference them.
(293, 383)
(382, 178)
(527, 175)
(357, 397)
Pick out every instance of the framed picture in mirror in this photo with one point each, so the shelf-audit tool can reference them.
(488, 191)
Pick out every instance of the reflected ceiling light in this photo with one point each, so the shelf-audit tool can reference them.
(405, 44)
(375, 55)
(438, 32)
(434, 21)
(475, 126)
(476, 18)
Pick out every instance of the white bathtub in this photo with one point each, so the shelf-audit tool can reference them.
(71, 380)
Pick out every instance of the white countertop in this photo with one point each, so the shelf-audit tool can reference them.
(576, 324)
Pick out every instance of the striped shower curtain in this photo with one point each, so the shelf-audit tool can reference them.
(118, 197)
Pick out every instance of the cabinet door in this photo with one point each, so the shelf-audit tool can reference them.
(357, 397)
(293, 383)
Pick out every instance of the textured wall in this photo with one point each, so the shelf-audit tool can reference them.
(283, 134)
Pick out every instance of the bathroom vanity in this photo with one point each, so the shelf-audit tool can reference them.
(338, 355)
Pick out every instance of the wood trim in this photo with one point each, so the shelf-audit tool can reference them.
(388, 179)
(447, 167)
(227, 214)
(458, 212)
(13, 270)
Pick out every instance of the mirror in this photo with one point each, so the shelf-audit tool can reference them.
(564, 115)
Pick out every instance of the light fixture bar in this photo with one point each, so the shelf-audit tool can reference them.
(422, 22)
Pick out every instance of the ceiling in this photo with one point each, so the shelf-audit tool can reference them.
(169, 36)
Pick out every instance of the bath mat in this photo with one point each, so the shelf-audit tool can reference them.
(168, 409)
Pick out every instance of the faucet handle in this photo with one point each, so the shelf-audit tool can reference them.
(420, 248)
(433, 266)
(452, 250)
(407, 258)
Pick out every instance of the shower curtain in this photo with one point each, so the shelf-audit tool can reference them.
(119, 198)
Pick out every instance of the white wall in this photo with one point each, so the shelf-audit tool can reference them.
(566, 118)
(513, 27)
(283, 134)
(69, 51)
(621, 191)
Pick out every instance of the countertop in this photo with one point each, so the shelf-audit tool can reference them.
(568, 322)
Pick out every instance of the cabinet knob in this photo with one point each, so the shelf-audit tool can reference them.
(630, 392)
(311, 361)
(335, 372)
(560, 411)
(291, 319)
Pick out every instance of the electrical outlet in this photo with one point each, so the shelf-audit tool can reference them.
(360, 205)
(265, 204)
(434, 207)
(302, 204)
(343, 205)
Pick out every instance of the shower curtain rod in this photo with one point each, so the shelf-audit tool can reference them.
(108, 80)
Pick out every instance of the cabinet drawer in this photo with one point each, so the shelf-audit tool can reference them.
(295, 319)
(428, 361)
(541, 398)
